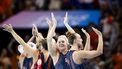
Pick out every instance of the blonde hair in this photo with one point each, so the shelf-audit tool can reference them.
(63, 36)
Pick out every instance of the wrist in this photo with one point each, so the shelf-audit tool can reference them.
(11, 31)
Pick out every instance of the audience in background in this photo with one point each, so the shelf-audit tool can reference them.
(110, 25)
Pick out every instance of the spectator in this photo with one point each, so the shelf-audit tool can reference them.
(55, 5)
(5, 59)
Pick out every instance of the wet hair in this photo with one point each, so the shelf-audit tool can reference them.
(71, 37)
(44, 44)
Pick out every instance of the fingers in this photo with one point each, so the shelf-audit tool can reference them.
(48, 21)
(4, 25)
(83, 30)
(93, 28)
(10, 25)
(7, 25)
(34, 30)
(4, 29)
(66, 18)
(66, 15)
(34, 26)
(96, 31)
(52, 15)
(40, 35)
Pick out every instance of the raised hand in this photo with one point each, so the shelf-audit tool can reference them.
(53, 19)
(97, 31)
(8, 27)
(50, 24)
(39, 39)
(40, 36)
(66, 18)
(34, 30)
(84, 31)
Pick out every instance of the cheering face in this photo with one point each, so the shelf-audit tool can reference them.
(79, 41)
(62, 44)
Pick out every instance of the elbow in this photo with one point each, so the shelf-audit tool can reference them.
(100, 52)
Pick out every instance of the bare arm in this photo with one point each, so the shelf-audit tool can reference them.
(39, 39)
(67, 25)
(34, 33)
(87, 45)
(17, 37)
(21, 59)
(9, 29)
(51, 46)
(34, 61)
(31, 39)
(93, 53)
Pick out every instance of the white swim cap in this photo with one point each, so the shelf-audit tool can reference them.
(20, 49)
(31, 44)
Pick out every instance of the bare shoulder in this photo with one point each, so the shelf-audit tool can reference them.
(56, 58)
(76, 57)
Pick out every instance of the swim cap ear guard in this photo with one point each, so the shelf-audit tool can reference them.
(20, 49)
(32, 45)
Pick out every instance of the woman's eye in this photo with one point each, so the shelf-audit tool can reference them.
(62, 41)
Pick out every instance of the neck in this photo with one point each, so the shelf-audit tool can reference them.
(64, 52)
(74, 47)
(45, 51)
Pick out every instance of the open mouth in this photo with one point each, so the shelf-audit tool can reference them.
(61, 45)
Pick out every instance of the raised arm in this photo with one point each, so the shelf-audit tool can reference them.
(52, 46)
(93, 53)
(67, 25)
(21, 59)
(9, 28)
(26, 46)
(34, 33)
(39, 39)
(87, 45)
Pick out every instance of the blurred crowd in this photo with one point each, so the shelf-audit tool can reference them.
(109, 24)
(11, 7)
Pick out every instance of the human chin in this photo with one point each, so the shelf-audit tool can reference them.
(61, 47)
(80, 45)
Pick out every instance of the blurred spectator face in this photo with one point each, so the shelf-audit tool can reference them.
(28, 2)
(119, 49)
(40, 3)
(85, 1)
